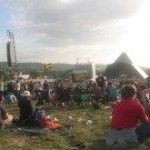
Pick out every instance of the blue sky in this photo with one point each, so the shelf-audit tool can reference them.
(63, 30)
(4, 19)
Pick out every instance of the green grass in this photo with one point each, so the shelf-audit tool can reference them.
(73, 133)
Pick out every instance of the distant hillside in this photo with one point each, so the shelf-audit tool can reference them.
(3, 65)
(27, 67)
(30, 66)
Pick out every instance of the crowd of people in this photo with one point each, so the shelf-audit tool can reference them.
(128, 98)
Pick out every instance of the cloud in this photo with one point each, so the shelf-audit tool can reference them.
(69, 54)
(74, 22)
(63, 30)
(2, 48)
(0, 40)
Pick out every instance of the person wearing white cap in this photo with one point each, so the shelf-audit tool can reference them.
(26, 109)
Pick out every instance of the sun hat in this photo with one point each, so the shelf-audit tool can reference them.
(26, 93)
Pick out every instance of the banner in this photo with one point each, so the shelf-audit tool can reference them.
(79, 75)
(47, 66)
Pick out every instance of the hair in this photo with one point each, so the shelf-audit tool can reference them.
(110, 83)
(1, 98)
(128, 91)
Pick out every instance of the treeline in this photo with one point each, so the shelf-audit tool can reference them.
(59, 70)
(30, 66)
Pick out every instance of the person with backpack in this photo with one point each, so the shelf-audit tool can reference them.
(26, 109)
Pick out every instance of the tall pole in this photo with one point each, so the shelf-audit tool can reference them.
(11, 53)
(11, 39)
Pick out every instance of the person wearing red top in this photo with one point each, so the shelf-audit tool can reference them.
(126, 114)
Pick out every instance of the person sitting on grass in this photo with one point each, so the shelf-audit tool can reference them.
(5, 118)
(96, 95)
(10, 98)
(26, 109)
(125, 129)
(112, 92)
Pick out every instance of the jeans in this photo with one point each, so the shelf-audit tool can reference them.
(143, 131)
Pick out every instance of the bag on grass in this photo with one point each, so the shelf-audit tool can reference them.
(47, 123)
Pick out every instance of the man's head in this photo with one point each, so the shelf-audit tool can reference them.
(128, 91)
(110, 83)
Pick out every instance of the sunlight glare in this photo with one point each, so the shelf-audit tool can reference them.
(65, 1)
(136, 37)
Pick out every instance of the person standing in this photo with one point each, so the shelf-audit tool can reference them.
(1, 87)
(17, 88)
(100, 80)
(45, 92)
(31, 87)
(112, 92)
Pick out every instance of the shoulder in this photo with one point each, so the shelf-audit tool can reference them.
(137, 105)
(2, 108)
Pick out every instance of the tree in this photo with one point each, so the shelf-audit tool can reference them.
(34, 74)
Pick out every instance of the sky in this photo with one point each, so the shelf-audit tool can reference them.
(60, 31)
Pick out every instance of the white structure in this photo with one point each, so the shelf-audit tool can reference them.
(123, 58)
(86, 70)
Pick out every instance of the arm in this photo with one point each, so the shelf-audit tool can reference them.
(4, 113)
(5, 117)
(142, 114)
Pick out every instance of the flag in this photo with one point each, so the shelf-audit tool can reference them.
(47, 66)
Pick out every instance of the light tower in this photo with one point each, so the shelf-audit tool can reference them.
(11, 56)
(11, 51)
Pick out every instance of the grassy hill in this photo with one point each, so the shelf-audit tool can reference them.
(73, 135)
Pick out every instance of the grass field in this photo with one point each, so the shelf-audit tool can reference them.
(75, 134)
